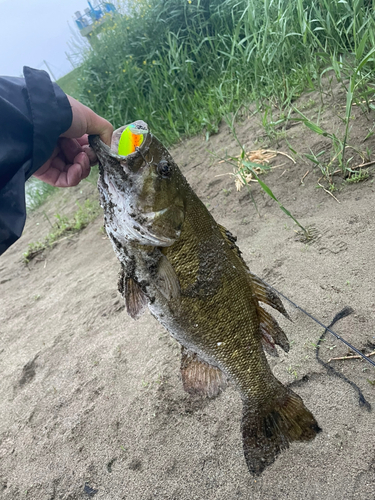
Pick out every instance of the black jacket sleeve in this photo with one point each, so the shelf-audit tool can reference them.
(34, 112)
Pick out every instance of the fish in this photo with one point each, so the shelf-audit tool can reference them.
(188, 270)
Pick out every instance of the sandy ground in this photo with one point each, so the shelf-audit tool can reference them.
(91, 402)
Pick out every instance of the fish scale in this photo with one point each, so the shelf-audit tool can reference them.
(187, 269)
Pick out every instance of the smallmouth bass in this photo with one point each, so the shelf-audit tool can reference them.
(187, 269)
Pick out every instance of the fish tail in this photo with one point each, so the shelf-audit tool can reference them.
(266, 434)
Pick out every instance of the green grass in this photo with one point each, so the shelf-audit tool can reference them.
(182, 65)
(69, 83)
(360, 176)
(64, 227)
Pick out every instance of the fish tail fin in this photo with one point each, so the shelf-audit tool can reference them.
(266, 434)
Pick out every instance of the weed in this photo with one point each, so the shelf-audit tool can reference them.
(33, 250)
(358, 73)
(330, 347)
(64, 227)
(308, 105)
(355, 177)
(246, 170)
(337, 150)
(181, 66)
(312, 345)
(292, 371)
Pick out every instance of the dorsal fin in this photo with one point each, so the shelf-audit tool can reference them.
(262, 291)
(199, 377)
(231, 240)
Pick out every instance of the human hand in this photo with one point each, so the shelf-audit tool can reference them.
(72, 158)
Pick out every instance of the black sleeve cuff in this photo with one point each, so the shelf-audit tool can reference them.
(51, 115)
(34, 112)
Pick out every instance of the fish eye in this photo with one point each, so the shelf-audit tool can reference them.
(164, 169)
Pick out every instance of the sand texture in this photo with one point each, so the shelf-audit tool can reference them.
(91, 402)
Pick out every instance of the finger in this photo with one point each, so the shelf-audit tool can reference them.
(83, 160)
(59, 164)
(83, 141)
(41, 170)
(50, 172)
(91, 155)
(71, 177)
(70, 148)
(98, 125)
(75, 172)
(79, 170)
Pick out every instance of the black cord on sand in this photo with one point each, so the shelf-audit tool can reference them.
(328, 328)
(340, 315)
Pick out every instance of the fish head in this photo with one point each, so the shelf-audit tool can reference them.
(142, 193)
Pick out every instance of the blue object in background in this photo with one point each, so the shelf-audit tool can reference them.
(109, 7)
(95, 13)
(92, 15)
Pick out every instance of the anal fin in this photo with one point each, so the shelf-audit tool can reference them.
(199, 377)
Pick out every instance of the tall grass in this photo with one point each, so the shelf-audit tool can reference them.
(69, 82)
(182, 64)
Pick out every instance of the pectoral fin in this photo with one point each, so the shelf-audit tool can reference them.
(199, 377)
(167, 280)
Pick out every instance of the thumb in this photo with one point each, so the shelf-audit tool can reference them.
(85, 121)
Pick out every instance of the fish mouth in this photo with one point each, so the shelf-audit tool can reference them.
(101, 149)
(103, 152)
(120, 185)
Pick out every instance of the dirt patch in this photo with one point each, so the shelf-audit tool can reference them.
(91, 401)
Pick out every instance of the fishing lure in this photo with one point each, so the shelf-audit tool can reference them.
(131, 138)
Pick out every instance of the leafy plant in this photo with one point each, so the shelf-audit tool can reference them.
(358, 75)
(64, 227)
(243, 167)
(360, 176)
